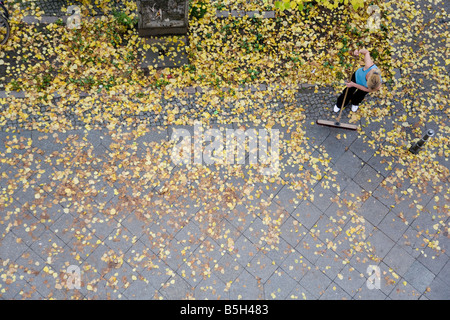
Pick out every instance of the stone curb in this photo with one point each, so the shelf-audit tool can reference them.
(250, 14)
(219, 14)
(49, 19)
(188, 90)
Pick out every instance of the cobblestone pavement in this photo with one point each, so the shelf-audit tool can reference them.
(316, 105)
(68, 203)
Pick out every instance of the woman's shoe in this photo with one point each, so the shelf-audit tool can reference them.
(354, 108)
(336, 109)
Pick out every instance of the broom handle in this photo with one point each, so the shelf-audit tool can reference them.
(345, 97)
(342, 107)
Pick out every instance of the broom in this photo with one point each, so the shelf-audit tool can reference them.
(337, 123)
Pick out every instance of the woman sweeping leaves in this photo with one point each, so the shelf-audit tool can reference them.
(364, 80)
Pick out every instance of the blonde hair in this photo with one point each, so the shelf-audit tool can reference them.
(374, 80)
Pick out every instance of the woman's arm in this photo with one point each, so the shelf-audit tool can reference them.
(367, 59)
(360, 87)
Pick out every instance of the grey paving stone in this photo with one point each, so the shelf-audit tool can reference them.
(339, 211)
(433, 260)
(399, 260)
(345, 137)
(439, 289)
(135, 224)
(333, 147)
(341, 180)
(368, 178)
(49, 286)
(315, 281)
(190, 233)
(276, 213)
(247, 287)
(310, 247)
(240, 217)
(388, 280)
(385, 194)
(350, 279)
(362, 149)
(330, 263)
(28, 263)
(154, 134)
(322, 198)
(261, 266)
(237, 13)
(18, 284)
(364, 293)
(105, 192)
(26, 227)
(444, 241)
(412, 242)
(380, 243)
(102, 225)
(64, 228)
(404, 291)
(140, 290)
(372, 128)
(191, 271)
(278, 251)
(289, 168)
(244, 250)
(373, 210)
(177, 253)
(300, 293)
(425, 222)
(101, 259)
(222, 239)
(316, 134)
(444, 274)
(419, 276)
(349, 164)
(292, 231)
(28, 292)
(355, 193)
(98, 136)
(99, 153)
(228, 269)
(361, 261)
(222, 14)
(307, 214)
(211, 288)
(404, 207)
(25, 195)
(392, 226)
(269, 14)
(102, 289)
(155, 272)
(257, 232)
(278, 286)
(287, 199)
(335, 292)
(45, 142)
(271, 188)
(119, 277)
(48, 245)
(82, 244)
(326, 229)
(382, 164)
